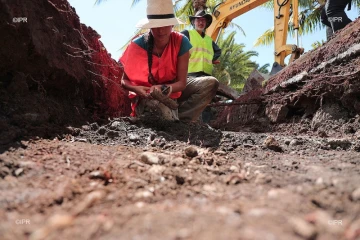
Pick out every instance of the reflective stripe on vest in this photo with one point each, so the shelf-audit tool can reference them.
(201, 54)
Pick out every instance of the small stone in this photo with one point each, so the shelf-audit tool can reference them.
(97, 175)
(117, 125)
(294, 142)
(319, 181)
(152, 158)
(179, 180)
(143, 194)
(191, 152)
(303, 228)
(134, 137)
(355, 195)
(271, 143)
(139, 204)
(236, 178)
(234, 169)
(85, 127)
(81, 139)
(19, 171)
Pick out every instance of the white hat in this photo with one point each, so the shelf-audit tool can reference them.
(160, 13)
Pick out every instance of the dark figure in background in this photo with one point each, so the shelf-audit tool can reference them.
(334, 17)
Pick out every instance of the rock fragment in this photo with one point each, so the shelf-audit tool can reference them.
(152, 158)
(191, 152)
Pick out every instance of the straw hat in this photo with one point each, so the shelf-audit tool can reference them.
(202, 14)
(160, 13)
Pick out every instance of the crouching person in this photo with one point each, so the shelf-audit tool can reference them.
(156, 61)
(201, 86)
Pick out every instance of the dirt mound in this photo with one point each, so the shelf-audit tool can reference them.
(54, 71)
(326, 76)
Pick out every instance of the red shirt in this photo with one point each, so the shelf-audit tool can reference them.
(164, 68)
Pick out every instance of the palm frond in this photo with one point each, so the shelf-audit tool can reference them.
(237, 27)
(266, 38)
(97, 2)
(309, 21)
(317, 44)
(134, 2)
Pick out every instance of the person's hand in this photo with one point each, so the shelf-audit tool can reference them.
(142, 91)
(153, 87)
(161, 89)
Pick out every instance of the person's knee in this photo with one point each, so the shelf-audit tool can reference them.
(214, 83)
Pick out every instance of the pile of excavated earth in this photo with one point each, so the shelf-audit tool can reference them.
(281, 162)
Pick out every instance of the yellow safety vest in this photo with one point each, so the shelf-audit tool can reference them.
(201, 54)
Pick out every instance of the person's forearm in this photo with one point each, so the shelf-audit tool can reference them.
(217, 51)
(178, 86)
(182, 68)
(126, 83)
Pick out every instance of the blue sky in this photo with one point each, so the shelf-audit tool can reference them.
(115, 21)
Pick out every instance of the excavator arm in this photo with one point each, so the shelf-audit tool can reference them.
(226, 11)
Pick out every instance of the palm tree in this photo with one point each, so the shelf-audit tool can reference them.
(263, 69)
(235, 64)
(309, 19)
(309, 15)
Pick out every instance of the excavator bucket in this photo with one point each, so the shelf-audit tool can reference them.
(275, 68)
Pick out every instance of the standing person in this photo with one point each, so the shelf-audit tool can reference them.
(325, 21)
(334, 15)
(201, 86)
(157, 60)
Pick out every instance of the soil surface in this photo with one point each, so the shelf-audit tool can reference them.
(126, 179)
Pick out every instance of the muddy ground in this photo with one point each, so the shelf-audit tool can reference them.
(124, 179)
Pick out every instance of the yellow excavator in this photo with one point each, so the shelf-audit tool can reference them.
(226, 11)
